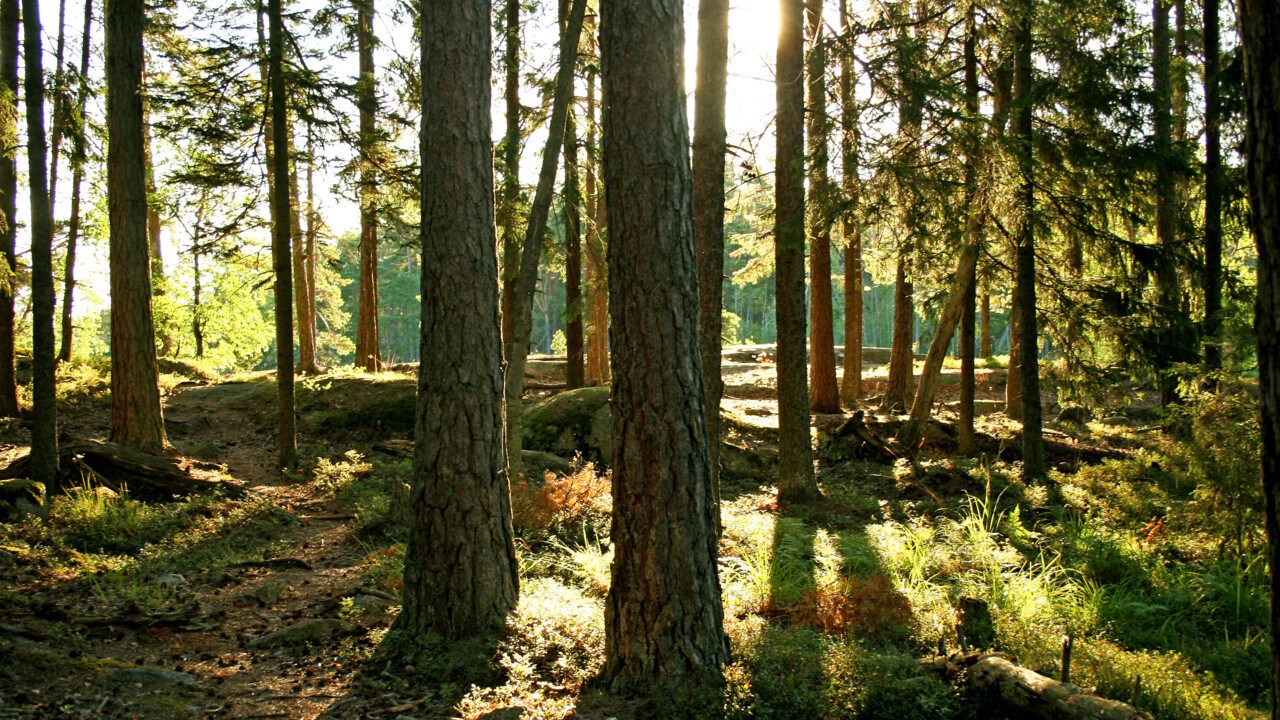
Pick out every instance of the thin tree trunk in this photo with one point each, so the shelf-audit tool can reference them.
(902, 350)
(59, 89)
(1013, 371)
(964, 429)
(1033, 466)
(509, 196)
(709, 146)
(306, 331)
(77, 177)
(516, 349)
(984, 342)
(1166, 198)
(573, 246)
(461, 575)
(281, 241)
(851, 380)
(44, 417)
(1212, 191)
(597, 280)
(795, 450)
(368, 352)
(910, 111)
(197, 328)
(664, 632)
(313, 230)
(824, 394)
(1260, 23)
(8, 202)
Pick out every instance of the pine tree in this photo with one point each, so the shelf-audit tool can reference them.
(824, 395)
(8, 201)
(368, 353)
(281, 241)
(77, 178)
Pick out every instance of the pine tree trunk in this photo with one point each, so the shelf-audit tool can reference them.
(902, 351)
(368, 353)
(313, 231)
(795, 450)
(573, 246)
(824, 395)
(509, 196)
(516, 350)
(136, 419)
(973, 227)
(1013, 371)
(851, 229)
(44, 417)
(8, 201)
(59, 112)
(1260, 23)
(709, 146)
(306, 330)
(281, 240)
(1033, 466)
(597, 273)
(984, 342)
(664, 621)
(1166, 199)
(1212, 191)
(460, 569)
(77, 177)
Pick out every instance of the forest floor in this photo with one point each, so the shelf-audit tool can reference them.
(274, 604)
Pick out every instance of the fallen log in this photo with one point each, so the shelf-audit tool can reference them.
(1023, 693)
(121, 469)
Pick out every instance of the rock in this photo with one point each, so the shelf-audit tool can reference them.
(171, 580)
(269, 594)
(1075, 415)
(1115, 420)
(571, 422)
(154, 676)
(370, 604)
(21, 498)
(315, 630)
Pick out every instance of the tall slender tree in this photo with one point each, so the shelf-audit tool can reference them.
(460, 570)
(709, 147)
(44, 414)
(851, 227)
(508, 208)
(281, 241)
(597, 273)
(59, 111)
(573, 242)
(795, 450)
(77, 177)
(8, 202)
(368, 354)
(663, 614)
(1212, 190)
(824, 394)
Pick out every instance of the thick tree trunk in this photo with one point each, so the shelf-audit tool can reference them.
(136, 419)
(1260, 23)
(516, 346)
(709, 146)
(795, 449)
(368, 353)
(460, 569)
(281, 240)
(1033, 466)
(851, 227)
(8, 201)
(509, 196)
(1212, 191)
(824, 395)
(597, 273)
(573, 246)
(664, 621)
(902, 352)
(44, 417)
(77, 177)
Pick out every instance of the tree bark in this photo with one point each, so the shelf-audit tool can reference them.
(1166, 199)
(509, 198)
(851, 228)
(824, 394)
(1260, 31)
(77, 176)
(8, 202)
(597, 273)
(663, 615)
(136, 418)
(1033, 466)
(709, 147)
(302, 302)
(902, 353)
(59, 112)
(516, 346)
(574, 377)
(964, 423)
(460, 570)
(368, 353)
(281, 240)
(1013, 374)
(984, 341)
(44, 417)
(795, 449)
(1212, 191)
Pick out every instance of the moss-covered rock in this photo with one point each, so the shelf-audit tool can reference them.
(574, 421)
(21, 498)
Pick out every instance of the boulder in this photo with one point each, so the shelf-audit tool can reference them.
(571, 422)
(21, 498)
(314, 631)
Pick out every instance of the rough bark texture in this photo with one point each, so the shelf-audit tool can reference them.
(573, 246)
(597, 273)
(824, 395)
(973, 228)
(136, 419)
(77, 177)
(1212, 191)
(59, 112)
(1260, 21)
(368, 354)
(301, 300)
(851, 228)
(516, 345)
(460, 576)
(44, 417)
(795, 449)
(509, 197)
(663, 615)
(1029, 362)
(8, 200)
(902, 353)
(708, 209)
(281, 240)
